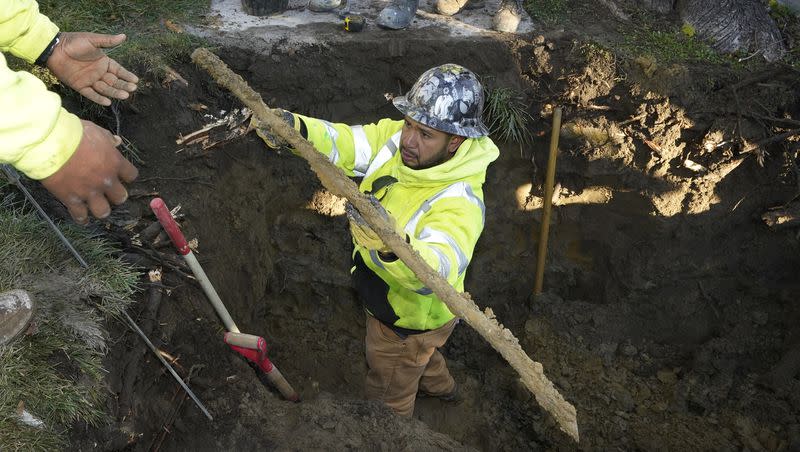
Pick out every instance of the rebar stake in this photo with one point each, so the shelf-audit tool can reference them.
(541, 254)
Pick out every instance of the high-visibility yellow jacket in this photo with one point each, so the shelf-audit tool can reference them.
(440, 208)
(37, 136)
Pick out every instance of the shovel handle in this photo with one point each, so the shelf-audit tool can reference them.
(277, 379)
(250, 341)
(168, 223)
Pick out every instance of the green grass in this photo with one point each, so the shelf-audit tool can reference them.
(669, 46)
(506, 115)
(150, 43)
(56, 371)
(115, 16)
(789, 24)
(547, 11)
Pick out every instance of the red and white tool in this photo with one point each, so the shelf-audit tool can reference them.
(253, 348)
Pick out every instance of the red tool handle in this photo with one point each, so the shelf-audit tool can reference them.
(168, 223)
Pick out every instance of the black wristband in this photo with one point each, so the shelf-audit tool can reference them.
(42, 60)
(387, 257)
(390, 256)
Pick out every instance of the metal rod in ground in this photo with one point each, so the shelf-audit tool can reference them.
(13, 177)
(541, 254)
(167, 365)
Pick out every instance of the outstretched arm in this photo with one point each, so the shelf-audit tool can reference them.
(78, 61)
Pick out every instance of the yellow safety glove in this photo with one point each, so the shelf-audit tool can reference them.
(364, 235)
(272, 140)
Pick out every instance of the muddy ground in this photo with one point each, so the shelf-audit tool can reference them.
(667, 299)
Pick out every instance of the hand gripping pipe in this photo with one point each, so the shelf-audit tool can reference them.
(254, 348)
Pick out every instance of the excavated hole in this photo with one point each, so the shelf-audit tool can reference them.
(637, 293)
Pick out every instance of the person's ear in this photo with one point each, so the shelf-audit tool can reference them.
(455, 142)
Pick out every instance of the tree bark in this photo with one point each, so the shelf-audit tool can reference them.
(734, 25)
(659, 6)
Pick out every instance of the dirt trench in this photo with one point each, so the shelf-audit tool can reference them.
(667, 299)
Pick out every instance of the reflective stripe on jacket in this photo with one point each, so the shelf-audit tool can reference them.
(37, 136)
(441, 209)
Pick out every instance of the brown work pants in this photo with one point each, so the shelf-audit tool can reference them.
(398, 367)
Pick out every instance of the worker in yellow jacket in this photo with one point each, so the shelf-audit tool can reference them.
(77, 161)
(427, 172)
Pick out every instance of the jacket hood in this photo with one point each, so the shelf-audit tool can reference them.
(469, 162)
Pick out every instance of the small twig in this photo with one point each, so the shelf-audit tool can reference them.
(777, 138)
(178, 179)
(787, 121)
(752, 55)
(115, 110)
(165, 260)
(633, 119)
(239, 161)
(738, 116)
(735, 206)
(709, 300)
(598, 107)
(754, 79)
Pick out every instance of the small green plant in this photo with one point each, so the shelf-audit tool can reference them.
(779, 11)
(506, 115)
(547, 11)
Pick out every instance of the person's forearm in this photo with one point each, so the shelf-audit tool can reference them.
(37, 135)
(24, 31)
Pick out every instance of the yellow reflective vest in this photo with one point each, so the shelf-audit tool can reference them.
(37, 136)
(441, 209)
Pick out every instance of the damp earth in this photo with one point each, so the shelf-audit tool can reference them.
(668, 306)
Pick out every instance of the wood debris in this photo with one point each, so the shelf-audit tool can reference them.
(222, 130)
(171, 75)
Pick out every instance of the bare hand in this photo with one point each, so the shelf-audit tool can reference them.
(79, 62)
(91, 177)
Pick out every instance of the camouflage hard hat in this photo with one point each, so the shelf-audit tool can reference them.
(448, 98)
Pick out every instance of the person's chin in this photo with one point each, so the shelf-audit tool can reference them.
(408, 160)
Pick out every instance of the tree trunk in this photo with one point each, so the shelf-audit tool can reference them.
(733, 25)
(659, 6)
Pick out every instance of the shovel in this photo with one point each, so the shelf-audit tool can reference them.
(254, 348)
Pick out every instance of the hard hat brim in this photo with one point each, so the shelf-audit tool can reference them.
(406, 108)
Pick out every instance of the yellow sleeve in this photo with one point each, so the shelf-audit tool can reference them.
(351, 148)
(37, 136)
(23, 30)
